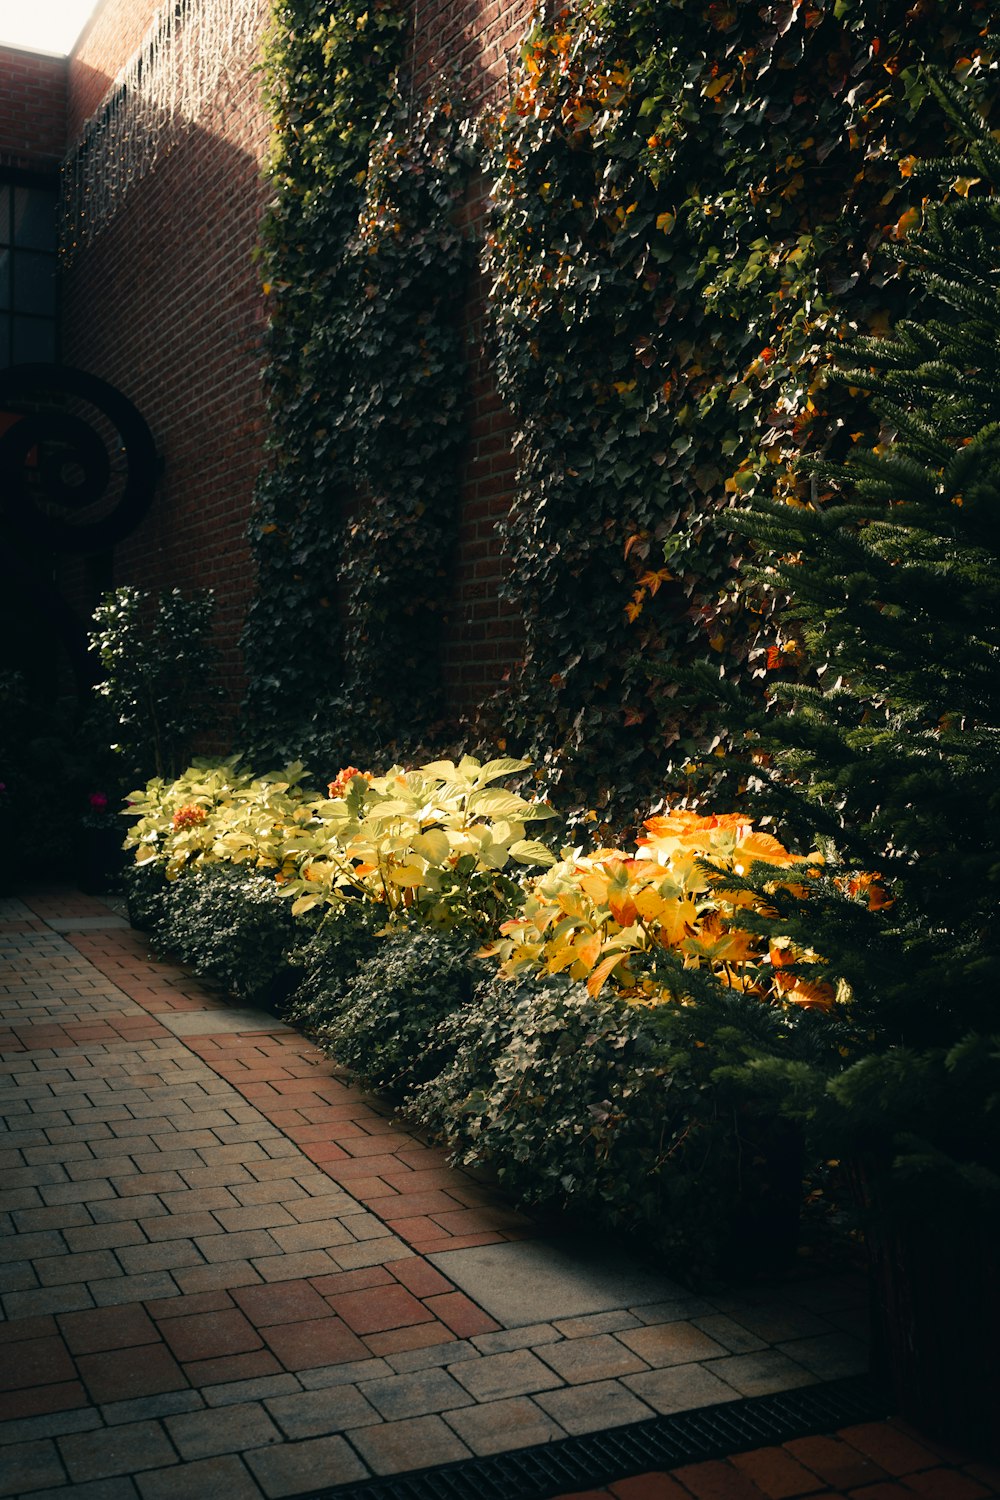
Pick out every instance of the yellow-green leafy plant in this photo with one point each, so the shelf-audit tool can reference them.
(217, 812)
(435, 841)
(603, 918)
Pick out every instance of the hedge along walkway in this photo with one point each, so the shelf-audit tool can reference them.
(225, 1265)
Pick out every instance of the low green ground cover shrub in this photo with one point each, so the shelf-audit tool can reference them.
(615, 1110)
(382, 1019)
(232, 926)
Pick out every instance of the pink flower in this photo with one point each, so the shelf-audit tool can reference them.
(98, 801)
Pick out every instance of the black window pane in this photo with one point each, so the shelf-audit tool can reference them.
(5, 196)
(4, 279)
(34, 219)
(4, 340)
(34, 283)
(34, 339)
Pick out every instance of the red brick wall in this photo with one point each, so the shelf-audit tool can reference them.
(165, 304)
(113, 34)
(32, 109)
(480, 39)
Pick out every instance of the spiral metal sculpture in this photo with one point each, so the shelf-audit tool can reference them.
(77, 473)
(71, 482)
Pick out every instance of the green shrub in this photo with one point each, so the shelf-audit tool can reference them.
(159, 690)
(611, 1110)
(146, 893)
(342, 941)
(232, 926)
(381, 1020)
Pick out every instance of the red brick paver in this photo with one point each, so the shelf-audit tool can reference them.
(909, 1466)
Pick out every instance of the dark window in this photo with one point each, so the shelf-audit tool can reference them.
(27, 272)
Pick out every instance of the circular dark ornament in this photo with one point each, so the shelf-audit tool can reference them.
(77, 460)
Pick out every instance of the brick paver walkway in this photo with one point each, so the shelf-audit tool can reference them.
(216, 1267)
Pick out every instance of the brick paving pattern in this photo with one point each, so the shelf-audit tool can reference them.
(214, 1268)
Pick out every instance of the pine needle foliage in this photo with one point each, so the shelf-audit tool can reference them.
(893, 576)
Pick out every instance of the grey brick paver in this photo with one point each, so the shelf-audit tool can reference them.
(370, 1252)
(599, 1357)
(289, 1266)
(245, 1244)
(166, 1255)
(761, 1373)
(142, 1287)
(829, 1356)
(332, 1409)
(139, 1408)
(47, 1299)
(49, 1424)
(222, 1274)
(138, 1206)
(116, 1150)
(205, 1434)
(432, 1354)
(507, 1339)
(261, 1388)
(417, 1443)
(675, 1311)
(323, 1376)
(501, 1425)
(416, 1394)
(316, 1236)
(592, 1408)
(305, 1208)
(296, 1467)
(17, 1276)
(680, 1388)
(732, 1335)
(116, 1450)
(216, 1155)
(147, 1126)
(186, 1200)
(69, 1151)
(516, 1374)
(29, 1466)
(211, 1177)
(671, 1344)
(182, 1140)
(253, 1216)
(95, 1489)
(184, 1162)
(32, 1246)
(101, 1166)
(130, 1183)
(181, 1226)
(591, 1323)
(92, 1265)
(62, 1191)
(194, 1481)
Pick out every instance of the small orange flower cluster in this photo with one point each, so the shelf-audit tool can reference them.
(338, 787)
(188, 817)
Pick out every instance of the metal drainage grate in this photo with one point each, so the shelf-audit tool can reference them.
(661, 1443)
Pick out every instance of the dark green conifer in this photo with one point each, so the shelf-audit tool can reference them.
(892, 750)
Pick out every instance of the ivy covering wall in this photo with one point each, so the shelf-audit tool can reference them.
(689, 203)
(363, 261)
(688, 200)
